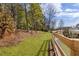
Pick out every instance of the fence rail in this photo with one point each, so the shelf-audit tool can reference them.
(73, 44)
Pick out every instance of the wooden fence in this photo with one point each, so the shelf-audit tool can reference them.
(73, 44)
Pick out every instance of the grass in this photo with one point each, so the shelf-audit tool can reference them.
(31, 46)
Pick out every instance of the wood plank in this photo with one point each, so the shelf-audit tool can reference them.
(64, 39)
(60, 49)
(72, 43)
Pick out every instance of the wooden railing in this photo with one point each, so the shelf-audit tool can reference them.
(73, 44)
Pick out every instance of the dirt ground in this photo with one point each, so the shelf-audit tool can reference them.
(15, 38)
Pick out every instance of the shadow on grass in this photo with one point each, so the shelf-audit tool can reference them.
(51, 49)
(43, 49)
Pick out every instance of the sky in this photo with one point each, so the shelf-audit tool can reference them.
(68, 12)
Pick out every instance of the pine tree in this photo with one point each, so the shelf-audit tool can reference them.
(37, 16)
(6, 21)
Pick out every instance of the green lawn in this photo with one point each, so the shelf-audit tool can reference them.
(31, 46)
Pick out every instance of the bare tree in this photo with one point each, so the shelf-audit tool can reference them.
(61, 23)
(50, 14)
(53, 24)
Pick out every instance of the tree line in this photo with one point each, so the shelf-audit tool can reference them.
(25, 16)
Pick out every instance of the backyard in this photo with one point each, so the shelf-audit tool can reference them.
(32, 45)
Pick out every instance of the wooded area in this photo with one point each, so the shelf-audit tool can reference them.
(20, 16)
(29, 17)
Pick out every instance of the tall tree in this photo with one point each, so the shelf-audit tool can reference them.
(37, 16)
(21, 21)
(26, 16)
(6, 21)
(50, 12)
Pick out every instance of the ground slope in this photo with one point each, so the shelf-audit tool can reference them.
(33, 45)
